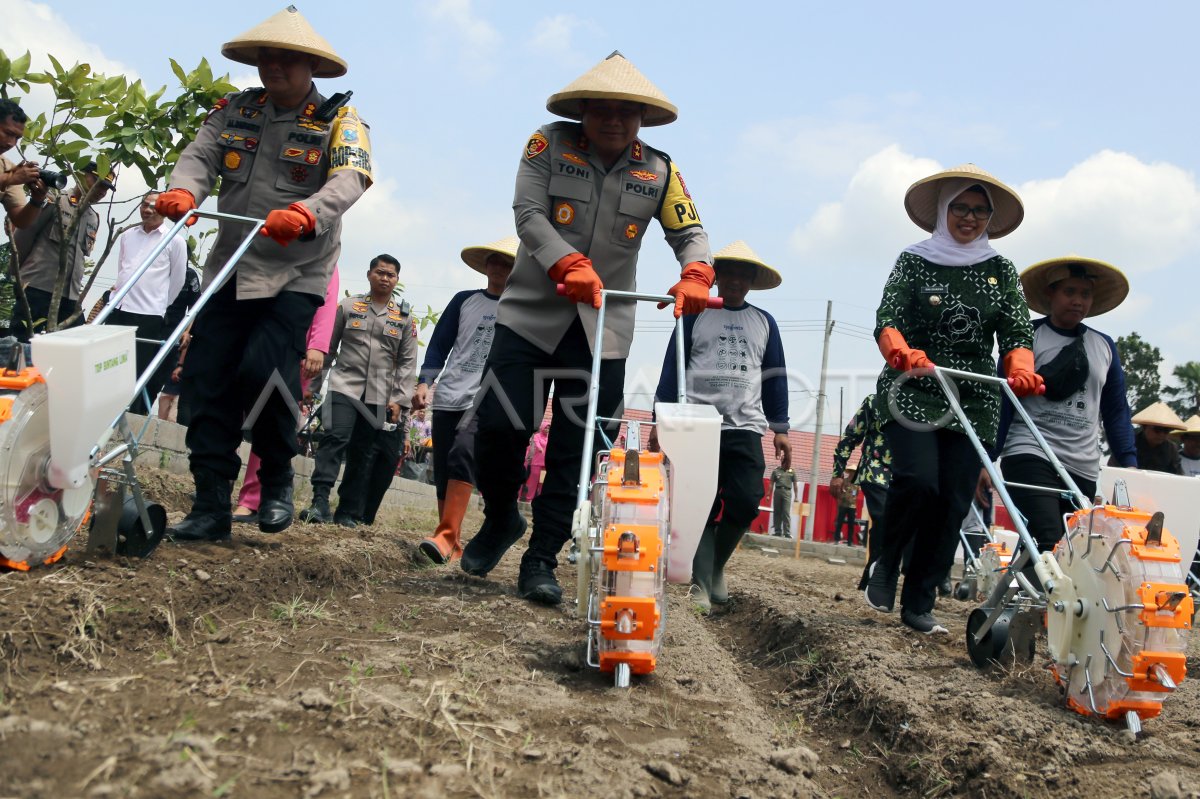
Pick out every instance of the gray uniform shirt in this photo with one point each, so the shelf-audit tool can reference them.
(1072, 426)
(568, 201)
(39, 246)
(376, 348)
(267, 159)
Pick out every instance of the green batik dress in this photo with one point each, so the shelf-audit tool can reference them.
(955, 314)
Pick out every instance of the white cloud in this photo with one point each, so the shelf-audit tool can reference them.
(864, 230)
(476, 38)
(815, 147)
(554, 36)
(1139, 216)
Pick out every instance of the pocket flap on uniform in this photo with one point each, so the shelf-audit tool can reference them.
(569, 187)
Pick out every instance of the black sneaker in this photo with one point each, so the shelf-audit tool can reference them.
(484, 551)
(537, 582)
(345, 520)
(879, 593)
(921, 622)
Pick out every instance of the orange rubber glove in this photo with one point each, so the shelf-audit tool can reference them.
(576, 273)
(898, 354)
(1018, 365)
(289, 224)
(174, 203)
(691, 292)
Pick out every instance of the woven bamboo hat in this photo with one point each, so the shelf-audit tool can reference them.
(1191, 427)
(1159, 415)
(476, 257)
(287, 30)
(765, 277)
(1109, 284)
(614, 78)
(921, 200)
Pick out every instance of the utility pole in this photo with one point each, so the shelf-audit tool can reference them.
(813, 480)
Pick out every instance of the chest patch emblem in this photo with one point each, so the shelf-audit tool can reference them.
(233, 160)
(564, 213)
(631, 231)
(313, 156)
(575, 159)
(642, 174)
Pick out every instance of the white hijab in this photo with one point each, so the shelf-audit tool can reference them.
(941, 248)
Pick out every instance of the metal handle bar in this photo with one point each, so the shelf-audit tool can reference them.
(585, 464)
(213, 288)
(943, 377)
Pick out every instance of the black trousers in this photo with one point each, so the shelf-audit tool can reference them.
(369, 473)
(739, 478)
(242, 371)
(510, 404)
(350, 427)
(148, 327)
(38, 311)
(845, 518)
(933, 479)
(1043, 512)
(875, 497)
(453, 448)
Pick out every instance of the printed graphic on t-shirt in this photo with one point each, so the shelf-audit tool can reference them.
(733, 359)
(480, 344)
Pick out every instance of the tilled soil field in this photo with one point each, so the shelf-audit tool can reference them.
(323, 663)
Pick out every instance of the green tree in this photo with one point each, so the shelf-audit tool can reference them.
(1187, 394)
(1140, 360)
(117, 124)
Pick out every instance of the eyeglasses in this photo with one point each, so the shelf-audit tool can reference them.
(980, 212)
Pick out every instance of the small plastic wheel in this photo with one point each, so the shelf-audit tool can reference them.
(621, 675)
(133, 540)
(994, 647)
(962, 592)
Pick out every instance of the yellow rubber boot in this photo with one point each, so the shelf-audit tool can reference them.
(445, 544)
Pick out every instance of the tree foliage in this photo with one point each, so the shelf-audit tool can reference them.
(1141, 361)
(117, 124)
(1186, 395)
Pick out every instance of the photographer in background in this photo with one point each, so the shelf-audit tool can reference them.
(39, 251)
(14, 177)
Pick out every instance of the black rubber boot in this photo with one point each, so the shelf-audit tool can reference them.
(499, 531)
(276, 509)
(318, 512)
(700, 593)
(210, 518)
(726, 539)
(345, 519)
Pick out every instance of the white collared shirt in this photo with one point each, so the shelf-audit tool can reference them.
(160, 284)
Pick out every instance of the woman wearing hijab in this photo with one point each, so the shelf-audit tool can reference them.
(1085, 386)
(948, 301)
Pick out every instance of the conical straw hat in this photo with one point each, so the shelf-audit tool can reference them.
(766, 277)
(921, 200)
(614, 78)
(1109, 284)
(475, 257)
(287, 30)
(1160, 415)
(1192, 427)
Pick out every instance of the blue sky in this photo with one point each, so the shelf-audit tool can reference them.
(800, 127)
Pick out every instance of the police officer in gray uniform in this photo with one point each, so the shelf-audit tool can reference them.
(585, 196)
(286, 154)
(39, 248)
(373, 378)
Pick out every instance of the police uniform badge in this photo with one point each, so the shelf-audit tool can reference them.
(349, 145)
(233, 160)
(536, 145)
(224, 101)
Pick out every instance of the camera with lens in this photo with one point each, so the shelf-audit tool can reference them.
(52, 179)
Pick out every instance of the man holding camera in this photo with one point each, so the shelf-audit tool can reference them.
(286, 154)
(15, 177)
(38, 250)
(374, 373)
